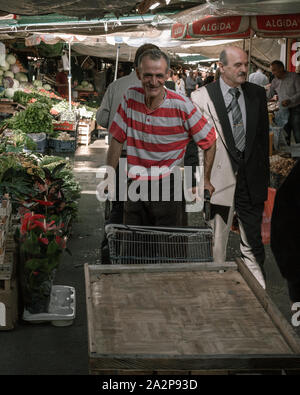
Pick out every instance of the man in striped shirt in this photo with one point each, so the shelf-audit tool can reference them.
(157, 125)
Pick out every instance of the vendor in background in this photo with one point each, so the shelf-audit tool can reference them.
(258, 77)
(62, 81)
(179, 83)
(286, 85)
(76, 70)
(209, 78)
(170, 83)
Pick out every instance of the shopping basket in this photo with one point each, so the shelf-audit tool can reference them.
(130, 244)
(148, 244)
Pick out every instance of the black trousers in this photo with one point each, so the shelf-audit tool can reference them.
(156, 213)
(250, 215)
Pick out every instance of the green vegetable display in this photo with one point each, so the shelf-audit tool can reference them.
(24, 98)
(35, 119)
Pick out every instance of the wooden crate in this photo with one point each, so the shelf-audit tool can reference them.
(199, 318)
(86, 126)
(8, 293)
(84, 139)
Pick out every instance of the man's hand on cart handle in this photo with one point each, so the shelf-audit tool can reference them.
(208, 186)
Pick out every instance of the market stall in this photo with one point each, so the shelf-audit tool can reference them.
(38, 192)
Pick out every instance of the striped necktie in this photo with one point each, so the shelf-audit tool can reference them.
(238, 127)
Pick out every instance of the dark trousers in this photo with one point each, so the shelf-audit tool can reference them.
(293, 125)
(250, 216)
(117, 207)
(156, 213)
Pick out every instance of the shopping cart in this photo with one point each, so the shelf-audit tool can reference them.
(130, 244)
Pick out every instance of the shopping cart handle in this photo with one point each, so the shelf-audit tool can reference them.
(207, 213)
(206, 194)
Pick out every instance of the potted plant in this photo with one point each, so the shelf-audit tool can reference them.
(41, 245)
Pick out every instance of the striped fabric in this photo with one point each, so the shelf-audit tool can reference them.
(158, 138)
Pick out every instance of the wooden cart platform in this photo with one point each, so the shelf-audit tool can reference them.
(198, 318)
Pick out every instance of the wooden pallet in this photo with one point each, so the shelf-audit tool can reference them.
(184, 319)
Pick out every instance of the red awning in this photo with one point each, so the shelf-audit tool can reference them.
(226, 27)
(287, 25)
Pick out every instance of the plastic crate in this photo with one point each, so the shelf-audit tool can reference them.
(67, 126)
(63, 145)
(152, 245)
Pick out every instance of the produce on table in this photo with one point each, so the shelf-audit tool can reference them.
(15, 68)
(37, 83)
(11, 59)
(282, 166)
(8, 82)
(47, 87)
(21, 77)
(64, 136)
(9, 93)
(35, 119)
(6, 66)
(9, 73)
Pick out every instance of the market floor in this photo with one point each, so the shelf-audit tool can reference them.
(34, 349)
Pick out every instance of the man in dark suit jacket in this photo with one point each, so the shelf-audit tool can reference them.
(285, 231)
(240, 173)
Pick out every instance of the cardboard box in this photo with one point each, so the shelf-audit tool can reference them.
(86, 124)
(8, 293)
(9, 307)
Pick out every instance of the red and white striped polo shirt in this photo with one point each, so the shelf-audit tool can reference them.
(158, 138)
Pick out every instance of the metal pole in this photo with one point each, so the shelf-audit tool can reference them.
(117, 61)
(249, 53)
(70, 78)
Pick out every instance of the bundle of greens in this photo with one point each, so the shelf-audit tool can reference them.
(35, 119)
(25, 98)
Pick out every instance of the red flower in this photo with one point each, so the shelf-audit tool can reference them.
(28, 221)
(44, 240)
(35, 273)
(60, 241)
(44, 202)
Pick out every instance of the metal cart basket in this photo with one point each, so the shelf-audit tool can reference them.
(148, 244)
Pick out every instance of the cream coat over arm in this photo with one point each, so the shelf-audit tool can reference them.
(222, 175)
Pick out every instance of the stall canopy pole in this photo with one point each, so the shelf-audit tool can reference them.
(249, 53)
(70, 78)
(117, 61)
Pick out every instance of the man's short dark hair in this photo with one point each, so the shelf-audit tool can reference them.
(223, 57)
(140, 50)
(277, 63)
(154, 54)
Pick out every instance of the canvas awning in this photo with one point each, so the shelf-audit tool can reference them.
(287, 25)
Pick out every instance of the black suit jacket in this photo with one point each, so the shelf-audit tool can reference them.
(257, 137)
(285, 229)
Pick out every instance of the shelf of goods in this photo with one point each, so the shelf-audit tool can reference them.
(8, 280)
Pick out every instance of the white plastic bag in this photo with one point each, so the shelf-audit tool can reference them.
(65, 61)
(2, 54)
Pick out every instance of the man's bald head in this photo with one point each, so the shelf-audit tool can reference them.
(231, 50)
(233, 66)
